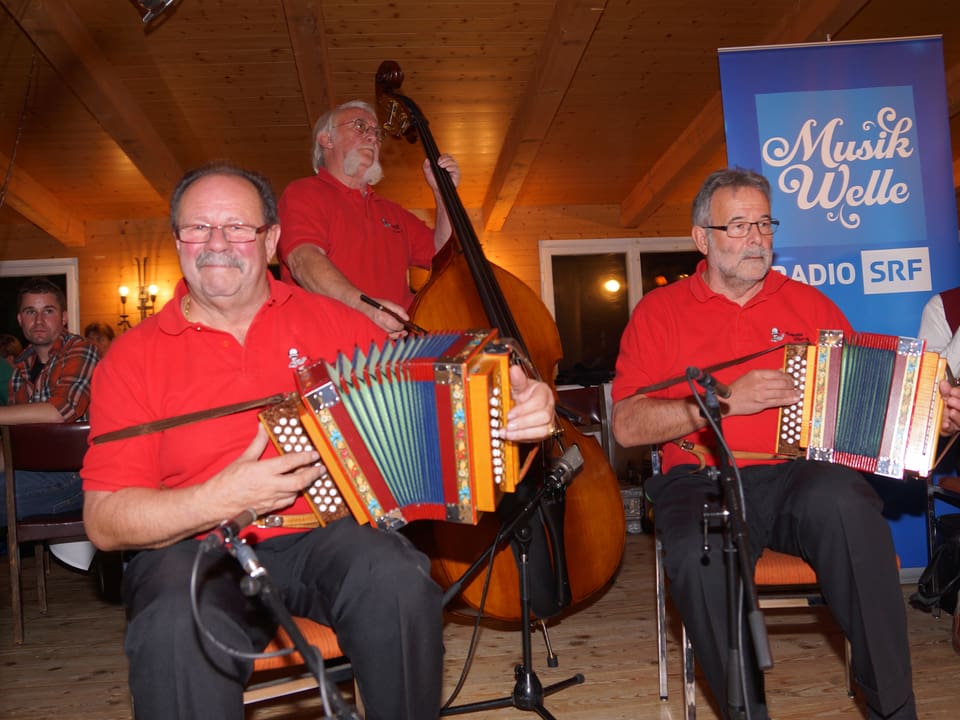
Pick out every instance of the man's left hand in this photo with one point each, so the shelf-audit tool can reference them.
(532, 416)
(447, 163)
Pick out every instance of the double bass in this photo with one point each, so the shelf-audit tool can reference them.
(465, 290)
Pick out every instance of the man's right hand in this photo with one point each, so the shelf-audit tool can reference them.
(264, 485)
(759, 390)
(384, 320)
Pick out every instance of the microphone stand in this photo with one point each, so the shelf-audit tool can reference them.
(258, 582)
(737, 552)
(528, 692)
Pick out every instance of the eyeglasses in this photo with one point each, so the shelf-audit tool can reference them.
(199, 233)
(742, 228)
(363, 127)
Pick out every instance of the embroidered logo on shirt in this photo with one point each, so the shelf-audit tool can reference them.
(388, 224)
(295, 359)
(775, 335)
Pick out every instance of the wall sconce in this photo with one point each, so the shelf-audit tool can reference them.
(146, 296)
(124, 323)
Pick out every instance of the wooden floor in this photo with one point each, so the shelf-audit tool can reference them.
(72, 666)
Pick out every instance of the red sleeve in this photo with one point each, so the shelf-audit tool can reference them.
(303, 220)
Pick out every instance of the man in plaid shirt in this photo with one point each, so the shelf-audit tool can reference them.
(50, 384)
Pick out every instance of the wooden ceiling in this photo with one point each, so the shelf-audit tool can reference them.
(544, 103)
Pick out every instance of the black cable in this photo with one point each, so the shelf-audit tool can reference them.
(475, 634)
(234, 652)
(195, 609)
(16, 142)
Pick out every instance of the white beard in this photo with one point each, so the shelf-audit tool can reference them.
(351, 166)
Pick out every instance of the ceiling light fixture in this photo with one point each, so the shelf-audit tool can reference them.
(149, 9)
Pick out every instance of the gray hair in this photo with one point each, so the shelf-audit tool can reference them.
(727, 178)
(326, 124)
(268, 200)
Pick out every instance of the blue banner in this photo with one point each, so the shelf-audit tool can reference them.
(855, 140)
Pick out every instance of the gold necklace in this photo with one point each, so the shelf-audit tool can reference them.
(186, 307)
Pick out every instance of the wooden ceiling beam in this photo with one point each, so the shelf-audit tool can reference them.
(567, 37)
(58, 34)
(812, 21)
(308, 38)
(41, 207)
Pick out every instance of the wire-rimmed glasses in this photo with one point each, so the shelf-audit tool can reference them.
(199, 233)
(363, 127)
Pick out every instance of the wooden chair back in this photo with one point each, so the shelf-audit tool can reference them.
(51, 447)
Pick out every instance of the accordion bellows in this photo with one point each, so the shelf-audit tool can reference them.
(870, 402)
(405, 430)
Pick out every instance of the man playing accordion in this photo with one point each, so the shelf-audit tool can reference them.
(232, 334)
(732, 307)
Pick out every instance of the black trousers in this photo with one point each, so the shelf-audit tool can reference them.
(828, 515)
(373, 587)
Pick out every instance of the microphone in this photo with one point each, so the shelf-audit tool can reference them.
(708, 382)
(567, 465)
(227, 532)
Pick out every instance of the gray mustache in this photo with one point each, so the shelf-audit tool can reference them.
(218, 259)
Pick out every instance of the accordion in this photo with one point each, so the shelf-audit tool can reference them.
(870, 402)
(405, 430)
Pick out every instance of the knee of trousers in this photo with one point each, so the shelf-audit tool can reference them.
(689, 567)
(397, 574)
(165, 634)
(833, 496)
(161, 629)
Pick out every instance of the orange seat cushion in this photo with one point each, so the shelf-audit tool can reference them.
(320, 636)
(950, 483)
(776, 568)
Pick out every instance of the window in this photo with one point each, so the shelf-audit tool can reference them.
(590, 288)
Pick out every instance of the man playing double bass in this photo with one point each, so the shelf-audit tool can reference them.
(341, 239)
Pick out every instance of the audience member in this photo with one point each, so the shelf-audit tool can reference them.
(99, 334)
(50, 384)
(10, 347)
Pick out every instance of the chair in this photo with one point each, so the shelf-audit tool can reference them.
(39, 447)
(586, 407)
(782, 581)
(946, 489)
(272, 677)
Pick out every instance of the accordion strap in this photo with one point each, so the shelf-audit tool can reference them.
(700, 452)
(177, 420)
(711, 369)
(293, 520)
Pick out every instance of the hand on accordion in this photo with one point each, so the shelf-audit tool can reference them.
(950, 422)
(532, 417)
(266, 485)
(759, 390)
